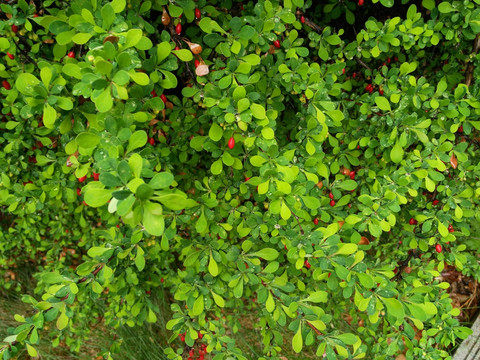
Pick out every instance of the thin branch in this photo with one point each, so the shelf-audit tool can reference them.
(298, 222)
(471, 67)
(358, 60)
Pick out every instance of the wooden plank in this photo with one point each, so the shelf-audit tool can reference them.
(469, 349)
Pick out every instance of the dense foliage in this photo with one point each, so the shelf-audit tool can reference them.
(314, 164)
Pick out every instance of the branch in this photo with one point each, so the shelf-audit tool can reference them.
(358, 60)
(298, 222)
(469, 72)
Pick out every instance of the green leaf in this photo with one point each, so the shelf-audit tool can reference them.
(394, 307)
(317, 297)
(163, 50)
(212, 267)
(87, 140)
(267, 254)
(183, 54)
(201, 225)
(218, 300)
(108, 16)
(140, 261)
(396, 154)
(445, 7)
(118, 5)
(104, 101)
(198, 305)
(216, 132)
(49, 116)
(297, 341)
(62, 321)
(353, 219)
(133, 37)
(138, 139)
(96, 197)
(348, 185)
(81, 38)
(143, 192)
(31, 350)
(153, 220)
(208, 25)
(25, 83)
(258, 111)
(347, 249)
(383, 103)
(161, 180)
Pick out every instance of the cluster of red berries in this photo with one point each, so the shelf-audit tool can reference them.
(369, 88)
(332, 201)
(202, 351)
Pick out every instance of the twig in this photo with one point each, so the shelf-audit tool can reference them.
(470, 68)
(298, 222)
(358, 60)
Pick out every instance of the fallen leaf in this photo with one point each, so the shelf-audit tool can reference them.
(453, 161)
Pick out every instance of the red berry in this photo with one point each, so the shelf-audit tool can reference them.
(352, 174)
(389, 60)
(329, 274)
(435, 202)
(177, 47)
(354, 75)
(178, 29)
(438, 248)
(201, 357)
(82, 179)
(162, 280)
(191, 352)
(182, 338)
(315, 221)
(15, 28)
(164, 98)
(349, 206)
(330, 196)
(153, 93)
(332, 203)
(302, 19)
(343, 71)
(35, 15)
(79, 191)
(276, 43)
(71, 54)
(412, 221)
(197, 63)
(6, 85)
(307, 264)
(450, 228)
(151, 141)
(395, 58)
(360, 2)
(247, 178)
(95, 176)
(200, 335)
(460, 129)
(231, 143)
(11, 56)
(380, 91)
(198, 14)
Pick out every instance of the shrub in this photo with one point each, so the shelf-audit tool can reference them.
(311, 164)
